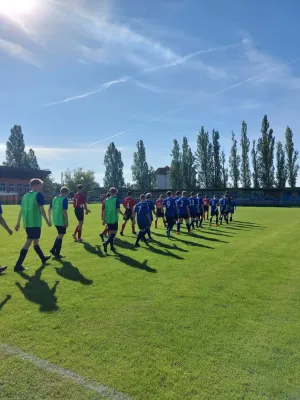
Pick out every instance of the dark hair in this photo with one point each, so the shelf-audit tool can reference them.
(107, 195)
(192, 193)
(79, 187)
(36, 181)
(178, 192)
(142, 197)
(129, 193)
(65, 190)
(113, 190)
(169, 193)
(199, 194)
(148, 196)
(184, 193)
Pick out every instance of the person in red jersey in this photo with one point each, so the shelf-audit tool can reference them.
(79, 208)
(129, 205)
(102, 214)
(159, 210)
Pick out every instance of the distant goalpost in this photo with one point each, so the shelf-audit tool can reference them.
(4, 195)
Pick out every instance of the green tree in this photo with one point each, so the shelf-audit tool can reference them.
(292, 165)
(78, 176)
(265, 147)
(113, 163)
(234, 163)
(224, 171)
(175, 168)
(281, 174)
(211, 166)
(31, 160)
(152, 179)
(255, 166)
(15, 148)
(50, 186)
(140, 168)
(202, 158)
(192, 174)
(184, 178)
(217, 181)
(245, 164)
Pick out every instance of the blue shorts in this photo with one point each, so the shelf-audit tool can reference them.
(194, 214)
(183, 216)
(113, 227)
(232, 211)
(214, 213)
(33, 233)
(143, 226)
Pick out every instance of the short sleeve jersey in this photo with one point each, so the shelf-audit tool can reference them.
(159, 203)
(129, 203)
(79, 200)
(214, 204)
(170, 205)
(65, 204)
(182, 203)
(142, 213)
(193, 202)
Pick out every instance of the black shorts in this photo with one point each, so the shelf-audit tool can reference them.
(143, 227)
(33, 233)
(214, 213)
(79, 212)
(61, 230)
(194, 215)
(170, 220)
(112, 227)
(128, 215)
(200, 214)
(184, 216)
(160, 213)
(205, 208)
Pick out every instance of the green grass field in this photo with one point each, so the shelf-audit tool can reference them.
(213, 316)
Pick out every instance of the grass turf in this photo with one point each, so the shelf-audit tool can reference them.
(214, 315)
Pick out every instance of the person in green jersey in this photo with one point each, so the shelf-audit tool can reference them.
(32, 211)
(110, 217)
(58, 210)
(9, 231)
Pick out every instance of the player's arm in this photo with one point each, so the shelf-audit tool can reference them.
(188, 211)
(5, 226)
(17, 227)
(133, 216)
(50, 211)
(44, 215)
(41, 201)
(149, 219)
(85, 208)
(65, 212)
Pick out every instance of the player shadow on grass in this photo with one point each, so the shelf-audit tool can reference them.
(131, 262)
(37, 291)
(123, 244)
(68, 271)
(93, 249)
(2, 304)
(167, 246)
(217, 232)
(166, 253)
(210, 239)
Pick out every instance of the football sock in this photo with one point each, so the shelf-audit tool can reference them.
(23, 254)
(39, 252)
(139, 236)
(156, 224)
(123, 226)
(217, 220)
(201, 221)
(221, 219)
(188, 226)
(178, 226)
(58, 244)
(148, 232)
(79, 233)
(104, 232)
(76, 230)
(133, 228)
(210, 220)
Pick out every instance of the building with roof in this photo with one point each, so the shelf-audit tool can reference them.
(162, 177)
(14, 182)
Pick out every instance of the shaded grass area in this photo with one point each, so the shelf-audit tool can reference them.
(213, 315)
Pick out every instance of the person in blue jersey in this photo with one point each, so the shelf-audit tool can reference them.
(232, 208)
(171, 211)
(183, 210)
(8, 230)
(194, 209)
(200, 212)
(214, 211)
(142, 215)
(228, 206)
(222, 203)
(176, 198)
(151, 209)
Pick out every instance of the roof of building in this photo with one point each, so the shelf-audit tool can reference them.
(162, 171)
(22, 173)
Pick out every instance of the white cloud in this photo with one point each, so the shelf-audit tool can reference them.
(17, 51)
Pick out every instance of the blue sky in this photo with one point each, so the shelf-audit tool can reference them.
(75, 73)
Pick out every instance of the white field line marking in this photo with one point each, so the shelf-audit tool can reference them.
(103, 390)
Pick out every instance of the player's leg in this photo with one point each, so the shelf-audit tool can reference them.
(38, 250)
(188, 225)
(23, 253)
(217, 218)
(126, 218)
(148, 232)
(231, 215)
(2, 269)
(80, 227)
(74, 236)
(140, 236)
(179, 222)
(112, 231)
(211, 218)
(133, 226)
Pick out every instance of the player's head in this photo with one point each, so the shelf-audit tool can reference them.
(113, 191)
(129, 194)
(178, 193)
(206, 196)
(79, 188)
(64, 191)
(193, 194)
(107, 195)
(169, 193)
(199, 195)
(161, 197)
(142, 197)
(184, 193)
(148, 196)
(36, 185)
(215, 196)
